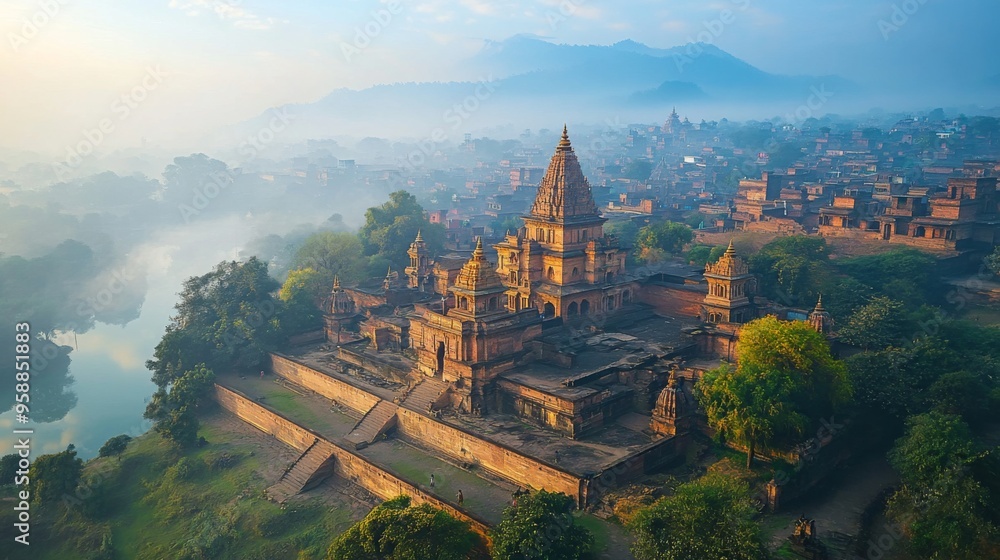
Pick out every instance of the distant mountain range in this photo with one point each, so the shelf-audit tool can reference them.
(538, 83)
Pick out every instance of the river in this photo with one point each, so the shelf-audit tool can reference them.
(111, 382)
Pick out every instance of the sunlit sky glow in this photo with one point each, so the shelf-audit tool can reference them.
(226, 61)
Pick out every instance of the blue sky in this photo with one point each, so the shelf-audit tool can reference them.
(227, 60)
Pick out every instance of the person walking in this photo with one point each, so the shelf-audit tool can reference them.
(432, 480)
(461, 498)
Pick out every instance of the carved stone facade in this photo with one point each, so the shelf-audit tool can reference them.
(729, 285)
(561, 262)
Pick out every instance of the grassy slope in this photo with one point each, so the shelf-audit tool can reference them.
(160, 503)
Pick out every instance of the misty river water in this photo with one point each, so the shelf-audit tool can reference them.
(111, 382)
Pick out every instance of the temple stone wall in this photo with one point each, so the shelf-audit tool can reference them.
(673, 301)
(491, 456)
(347, 465)
(355, 398)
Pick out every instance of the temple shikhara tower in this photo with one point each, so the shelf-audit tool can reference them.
(729, 285)
(561, 262)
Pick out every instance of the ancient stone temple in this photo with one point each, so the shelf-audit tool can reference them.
(419, 272)
(471, 343)
(561, 262)
(820, 319)
(672, 411)
(729, 284)
(340, 313)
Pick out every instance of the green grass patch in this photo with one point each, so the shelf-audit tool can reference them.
(162, 502)
(597, 527)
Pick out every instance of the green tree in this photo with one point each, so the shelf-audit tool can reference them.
(904, 274)
(390, 228)
(302, 293)
(227, 318)
(992, 261)
(707, 519)
(53, 476)
(791, 268)
(8, 469)
(876, 325)
(115, 446)
(541, 526)
(395, 530)
(786, 379)
(654, 240)
(332, 254)
(943, 509)
(174, 410)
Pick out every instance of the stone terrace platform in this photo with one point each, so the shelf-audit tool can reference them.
(485, 496)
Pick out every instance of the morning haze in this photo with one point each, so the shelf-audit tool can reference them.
(554, 279)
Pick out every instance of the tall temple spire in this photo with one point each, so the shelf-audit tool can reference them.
(477, 254)
(336, 282)
(564, 192)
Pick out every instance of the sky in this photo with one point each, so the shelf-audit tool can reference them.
(114, 72)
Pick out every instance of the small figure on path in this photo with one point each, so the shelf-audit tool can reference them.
(557, 456)
(262, 374)
(432, 480)
(461, 498)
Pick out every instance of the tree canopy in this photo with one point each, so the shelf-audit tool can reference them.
(226, 318)
(654, 241)
(877, 324)
(785, 381)
(115, 446)
(332, 254)
(944, 508)
(55, 475)
(541, 526)
(707, 519)
(174, 410)
(390, 228)
(790, 268)
(396, 530)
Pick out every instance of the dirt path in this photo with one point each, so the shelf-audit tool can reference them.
(837, 505)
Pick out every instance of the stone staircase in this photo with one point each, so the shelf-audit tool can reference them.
(376, 421)
(425, 394)
(314, 465)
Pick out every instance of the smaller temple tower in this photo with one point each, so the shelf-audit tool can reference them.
(478, 288)
(339, 313)
(420, 264)
(820, 319)
(729, 283)
(672, 410)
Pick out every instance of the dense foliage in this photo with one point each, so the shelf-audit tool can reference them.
(115, 446)
(53, 476)
(541, 526)
(655, 241)
(396, 530)
(174, 410)
(785, 382)
(227, 318)
(945, 505)
(390, 228)
(707, 519)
